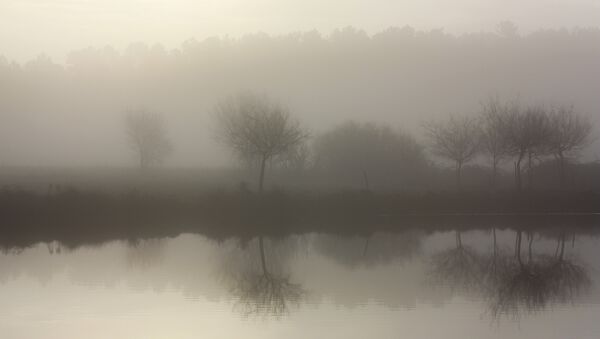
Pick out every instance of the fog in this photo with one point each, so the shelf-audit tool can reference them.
(72, 114)
(259, 167)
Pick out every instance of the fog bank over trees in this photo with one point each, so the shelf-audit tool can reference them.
(72, 114)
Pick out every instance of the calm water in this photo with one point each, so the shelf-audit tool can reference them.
(489, 283)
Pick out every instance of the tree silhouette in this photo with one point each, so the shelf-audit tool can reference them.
(569, 132)
(456, 139)
(256, 128)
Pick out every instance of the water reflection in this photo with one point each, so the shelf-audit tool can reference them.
(513, 284)
(258, 279)
(458, 267)
(531, 285)
(145, 253)
(501, 273)
(369, 250)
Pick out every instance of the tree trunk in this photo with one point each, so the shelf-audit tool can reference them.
(518, 248)
(262, 256)
(530, 170)
(262, 173)
(561, 168)
(458, 175)
(529, 247)
(562, 247)
(495, 244)
(494, 173)
(518, 172)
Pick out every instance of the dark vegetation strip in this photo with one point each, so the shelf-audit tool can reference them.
(76, 218)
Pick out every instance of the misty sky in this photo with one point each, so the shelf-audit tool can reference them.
(56, 27)
(394, 67)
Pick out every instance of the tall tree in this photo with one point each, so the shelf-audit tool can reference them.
(254, 127)
(456, 139)
(147, 136)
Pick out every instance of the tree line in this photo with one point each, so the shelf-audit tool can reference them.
(329, 76)
(506, 131)
(262, 133)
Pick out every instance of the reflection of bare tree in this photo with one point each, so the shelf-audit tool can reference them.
(493, 265)
(263, 289)
(375, 249)
(513, 284)
(459, 267)
(529, 286)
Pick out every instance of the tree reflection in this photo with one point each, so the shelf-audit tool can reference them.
(513, 284)
(371, 250)
(459, 267)
(531, 286)
(259, 284)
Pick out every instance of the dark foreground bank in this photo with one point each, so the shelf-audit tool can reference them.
(74, 217)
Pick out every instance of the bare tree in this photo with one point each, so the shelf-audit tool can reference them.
(494, 140)
(254, 127)
(527, 133)
(569, 133)
(147, 136)
(456, 139)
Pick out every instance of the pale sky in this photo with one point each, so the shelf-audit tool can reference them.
(56, 27)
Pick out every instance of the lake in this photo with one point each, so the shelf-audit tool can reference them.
(486, 282)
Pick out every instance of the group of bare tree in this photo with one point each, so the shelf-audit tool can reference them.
(505, 131)
(261, 131)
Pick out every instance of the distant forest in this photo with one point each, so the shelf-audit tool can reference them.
(373, 109)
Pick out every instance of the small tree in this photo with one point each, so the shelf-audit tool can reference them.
(568, 133)
(147, 136)
(456, 139)
(254, 127)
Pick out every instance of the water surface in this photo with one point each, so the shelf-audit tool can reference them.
(415, 283)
